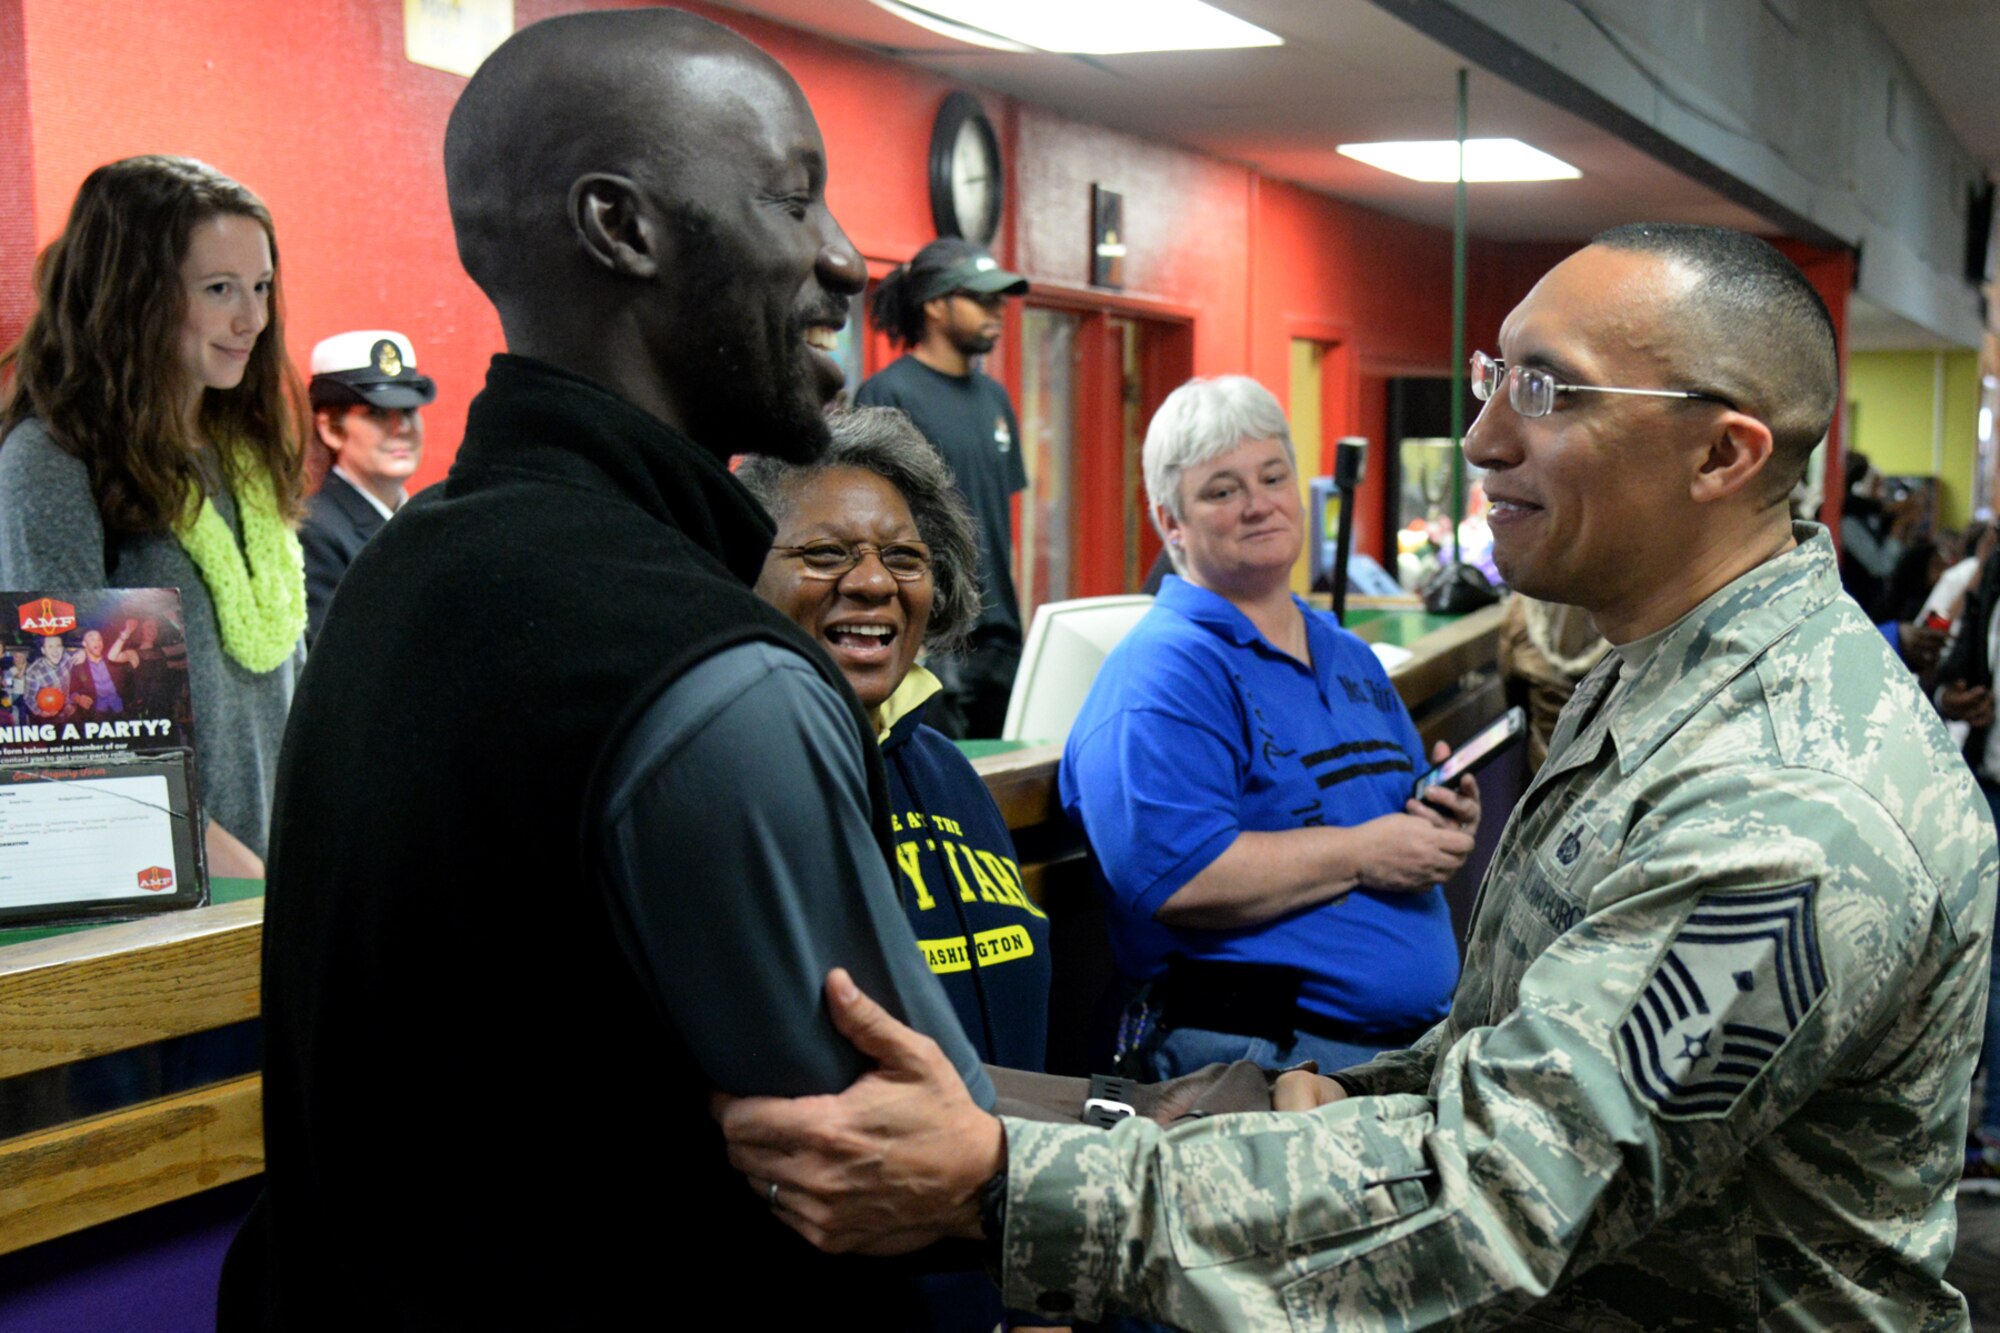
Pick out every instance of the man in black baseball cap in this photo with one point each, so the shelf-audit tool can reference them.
(367, 441)
(946, 306)
(949, 265)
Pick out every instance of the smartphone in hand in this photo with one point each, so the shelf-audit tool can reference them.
(1476, 753)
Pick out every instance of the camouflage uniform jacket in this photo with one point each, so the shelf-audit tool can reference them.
(1707, 1067)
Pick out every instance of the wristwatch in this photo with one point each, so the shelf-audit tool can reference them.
(993, 1211)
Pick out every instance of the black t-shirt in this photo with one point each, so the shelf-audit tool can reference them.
(972, 424)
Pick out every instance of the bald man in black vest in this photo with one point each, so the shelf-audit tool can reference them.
(509, 948)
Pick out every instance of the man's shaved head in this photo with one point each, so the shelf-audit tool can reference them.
(1750, 327)
(641, 193)
(608, 91)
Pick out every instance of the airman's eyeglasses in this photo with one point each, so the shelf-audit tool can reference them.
(992, 302)
(906, 561)
(1532, 392)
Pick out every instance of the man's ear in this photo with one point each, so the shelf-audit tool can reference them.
(615, 225)
(326, 421)
(937, 310)
(1739, 458)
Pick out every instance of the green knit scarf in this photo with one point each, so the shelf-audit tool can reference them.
(259, 588)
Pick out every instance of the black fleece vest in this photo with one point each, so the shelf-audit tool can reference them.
(473, 1115)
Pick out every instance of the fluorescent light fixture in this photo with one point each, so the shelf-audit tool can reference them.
(1485, 160)
(1084, 27)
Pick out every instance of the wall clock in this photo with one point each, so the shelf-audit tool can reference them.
(965, 171)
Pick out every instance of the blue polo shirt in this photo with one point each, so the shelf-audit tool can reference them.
(1198, 729)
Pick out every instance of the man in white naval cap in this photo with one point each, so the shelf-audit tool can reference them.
(365, 392)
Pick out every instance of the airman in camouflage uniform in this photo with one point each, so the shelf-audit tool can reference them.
(1708, 1063)
(1707, 1066)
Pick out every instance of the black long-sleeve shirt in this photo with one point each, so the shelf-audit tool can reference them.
(790, 885)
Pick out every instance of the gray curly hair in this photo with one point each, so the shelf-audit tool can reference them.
(884, 441)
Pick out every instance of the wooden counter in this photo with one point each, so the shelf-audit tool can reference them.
(74, 997)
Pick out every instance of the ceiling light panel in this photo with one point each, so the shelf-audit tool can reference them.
(1085, 27)
(1486, 160)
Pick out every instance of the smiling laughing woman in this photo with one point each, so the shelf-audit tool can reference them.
(152, 428)
(875, 558)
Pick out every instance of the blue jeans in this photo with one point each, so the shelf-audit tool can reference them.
(1183, 1050)
(1989, 1119)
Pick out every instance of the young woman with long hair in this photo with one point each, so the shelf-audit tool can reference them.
(152, 427)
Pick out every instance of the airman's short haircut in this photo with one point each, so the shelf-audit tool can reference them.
(1752, 330)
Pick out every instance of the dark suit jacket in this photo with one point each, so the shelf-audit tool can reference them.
(339, 522)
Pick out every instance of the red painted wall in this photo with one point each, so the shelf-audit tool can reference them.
(1187, 224)
(17, 177)
(1832, 275)
(1255, 263)
(315, 107)
(1375, 288)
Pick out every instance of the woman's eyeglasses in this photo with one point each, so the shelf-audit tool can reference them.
(906, 561)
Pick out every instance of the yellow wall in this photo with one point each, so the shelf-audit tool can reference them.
(1894, 396)
(1303, 417)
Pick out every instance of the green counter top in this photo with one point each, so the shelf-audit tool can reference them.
(981, 749)
(1401, 628)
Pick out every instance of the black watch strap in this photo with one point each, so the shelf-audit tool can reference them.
(1109, 1100)
(993, 1209)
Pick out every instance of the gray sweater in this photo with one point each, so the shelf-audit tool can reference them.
(51, 538)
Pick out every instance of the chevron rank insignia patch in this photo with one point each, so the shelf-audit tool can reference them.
(1740, 976)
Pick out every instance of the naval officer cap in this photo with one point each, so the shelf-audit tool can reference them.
(372, 366)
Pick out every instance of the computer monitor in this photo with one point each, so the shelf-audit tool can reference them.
(1067, 643)
(1365, 575)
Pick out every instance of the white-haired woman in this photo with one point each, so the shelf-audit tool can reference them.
(1242, 769)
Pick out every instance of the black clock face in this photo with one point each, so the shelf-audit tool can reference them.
(965, 171)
